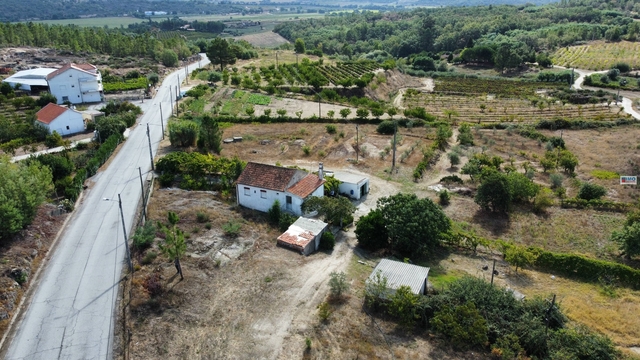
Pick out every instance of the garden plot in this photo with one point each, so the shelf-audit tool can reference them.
(487, 108)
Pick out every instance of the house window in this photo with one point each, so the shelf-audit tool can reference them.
(263, 194)
(67, 127)
(247, 191)
(73, 86)
(65, 98)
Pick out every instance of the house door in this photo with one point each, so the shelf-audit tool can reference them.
(289, 202)
(363, 190)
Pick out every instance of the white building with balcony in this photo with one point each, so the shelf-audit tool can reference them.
(76, 83)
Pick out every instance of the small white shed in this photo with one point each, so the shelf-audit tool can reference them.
(352, 185)
(61, 119)
(303, 235)
(402, 274)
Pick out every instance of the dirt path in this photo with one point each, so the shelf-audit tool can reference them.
(627, 102)
(429, 85)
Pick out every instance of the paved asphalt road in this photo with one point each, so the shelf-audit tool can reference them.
(72, 312)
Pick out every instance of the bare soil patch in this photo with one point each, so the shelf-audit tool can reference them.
(264, 40)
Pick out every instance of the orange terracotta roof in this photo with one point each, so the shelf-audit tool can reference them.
(306, 186)
(82, 67)
(296, 241)
(267, 176)
(50, 112)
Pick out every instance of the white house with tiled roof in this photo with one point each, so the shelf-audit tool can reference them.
(61, 119)
(260, 185)
(76, 83)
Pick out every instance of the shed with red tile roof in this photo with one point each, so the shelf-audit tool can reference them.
(303, 235)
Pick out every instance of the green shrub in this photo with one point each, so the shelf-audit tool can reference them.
(202, 217)
(149, 257)
(450, 179)
(589, 191)
(386, 127)
(144, 236)
(463, 324)
(166, 179)
(371, 231)
(338, 284)
(285, 221)
(275, 213)
(232, 228)
(327, 241)
(445, 197)
(331, 129)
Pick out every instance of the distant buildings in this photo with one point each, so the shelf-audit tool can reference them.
(76, 83)
(73, 83)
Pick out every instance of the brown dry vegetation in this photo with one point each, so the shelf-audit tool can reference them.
(25, 251)
(260, 300)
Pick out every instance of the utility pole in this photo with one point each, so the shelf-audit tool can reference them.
(186, 73)
(395, 131)
(161, 121)
(276, 59)
(357, 145)
(144, 202)
(178, 91)
(150, 152)
(177, 110)
(617, 96)
(171, 99)
(319, 109)
(126, 242)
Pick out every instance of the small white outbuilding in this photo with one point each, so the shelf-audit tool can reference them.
(61, 119)
(352, 185)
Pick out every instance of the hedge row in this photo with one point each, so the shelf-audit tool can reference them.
(100, 157)
(131, 84)
(597, 204)
(583, 268)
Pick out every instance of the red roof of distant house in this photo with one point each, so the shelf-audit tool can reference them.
(306, 186)
(50, 112)
(87, 68)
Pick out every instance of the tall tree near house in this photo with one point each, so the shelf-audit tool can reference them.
(219, 52)
(174, 246)
(210, 137)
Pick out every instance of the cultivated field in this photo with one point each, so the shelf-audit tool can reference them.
(112, 22)
(598, 55)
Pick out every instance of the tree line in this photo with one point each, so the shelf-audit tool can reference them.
(526, 29)
(94, 40)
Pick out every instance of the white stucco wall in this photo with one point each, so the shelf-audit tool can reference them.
(77, 86)
(353, 190)
(254, 199)
(69, 122)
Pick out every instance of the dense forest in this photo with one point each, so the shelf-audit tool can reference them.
(97, 40)
(17, 10)
(522, 30)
